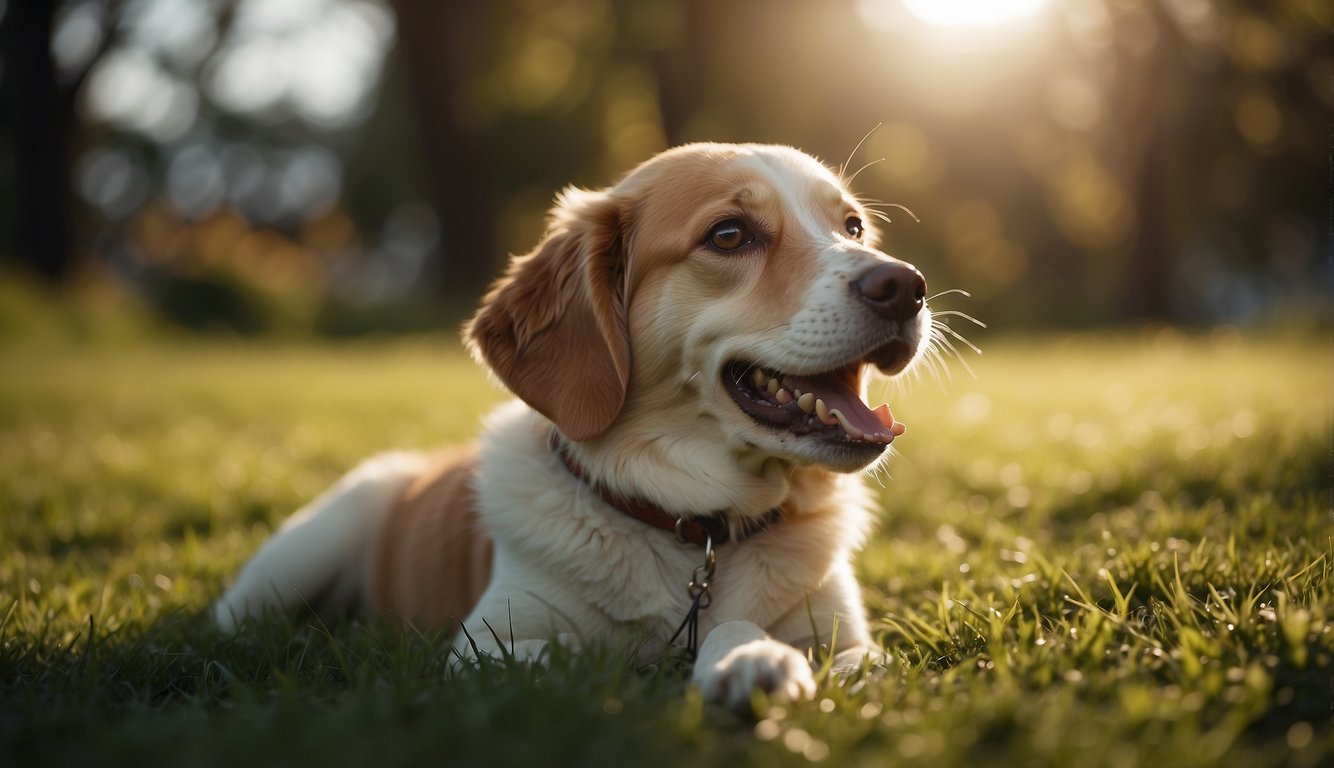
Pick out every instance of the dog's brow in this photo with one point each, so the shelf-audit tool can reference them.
(754, 194)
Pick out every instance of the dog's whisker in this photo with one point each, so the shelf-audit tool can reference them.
(881, 215)
(945, 347)
(939, 339)
(878, 472)
(943, 363)
(958, 291)
(842, 169)
(917, 371)
(932, 362)
(968, 368)
(957, 335)
(947, 344)
(743, 373)
(957, 313)
(864, 167)
(873, 204)
(913, 374)
(689, 379)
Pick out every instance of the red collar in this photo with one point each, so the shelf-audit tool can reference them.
(695, 530)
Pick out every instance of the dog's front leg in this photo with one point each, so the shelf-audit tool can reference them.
(738, 658)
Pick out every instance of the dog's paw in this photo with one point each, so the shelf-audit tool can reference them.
(774, 668)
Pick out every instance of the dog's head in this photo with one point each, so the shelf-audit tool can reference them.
(734, 292)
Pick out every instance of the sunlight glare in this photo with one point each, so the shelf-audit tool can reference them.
(972, 13)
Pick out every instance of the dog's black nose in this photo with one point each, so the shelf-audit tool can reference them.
(895, 291)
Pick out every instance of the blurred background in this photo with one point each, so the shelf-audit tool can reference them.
(348, 166)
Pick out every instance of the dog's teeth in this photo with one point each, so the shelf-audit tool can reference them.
(796, 393)
(853, 432)
(822, 412)
(806, 402)
(773, 386)
(758, 378)
(783, 397)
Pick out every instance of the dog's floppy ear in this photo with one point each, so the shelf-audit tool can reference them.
(553, 329)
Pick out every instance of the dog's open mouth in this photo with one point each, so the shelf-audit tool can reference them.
(825, 405)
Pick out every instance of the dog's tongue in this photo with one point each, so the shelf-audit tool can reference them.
(838, 396)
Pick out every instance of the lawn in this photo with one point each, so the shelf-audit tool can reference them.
(1102, 550)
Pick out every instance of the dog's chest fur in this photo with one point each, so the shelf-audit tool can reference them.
(435, 551)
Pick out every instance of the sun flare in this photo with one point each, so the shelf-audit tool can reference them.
(972, 13)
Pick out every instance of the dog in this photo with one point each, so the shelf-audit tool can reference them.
(690, 349)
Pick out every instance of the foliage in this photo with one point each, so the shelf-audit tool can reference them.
(1111, 160)
(1102, 551)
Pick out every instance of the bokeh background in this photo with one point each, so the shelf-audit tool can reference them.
(1111, 546)
(344, 166)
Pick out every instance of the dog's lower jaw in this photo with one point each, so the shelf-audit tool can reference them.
(851, 460)
(791, 452)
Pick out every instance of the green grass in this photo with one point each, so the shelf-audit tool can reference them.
(1102, 551)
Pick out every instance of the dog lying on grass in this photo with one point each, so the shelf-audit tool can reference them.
(690, 350)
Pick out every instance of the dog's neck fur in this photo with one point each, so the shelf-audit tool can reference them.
(685, 475)
(705, 531)
(688, 476)
(691, 472)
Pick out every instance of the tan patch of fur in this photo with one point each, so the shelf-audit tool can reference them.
(679, 197)
(433, 560)
(553, 328)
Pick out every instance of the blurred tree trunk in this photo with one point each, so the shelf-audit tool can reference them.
(440, 44)
(1145, 294)
(681, 70)
(41, 129)
(1157, 100)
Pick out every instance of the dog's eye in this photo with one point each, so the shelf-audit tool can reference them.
(854, 227)
(730, 235)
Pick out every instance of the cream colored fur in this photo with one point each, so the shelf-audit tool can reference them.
(622, 300)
